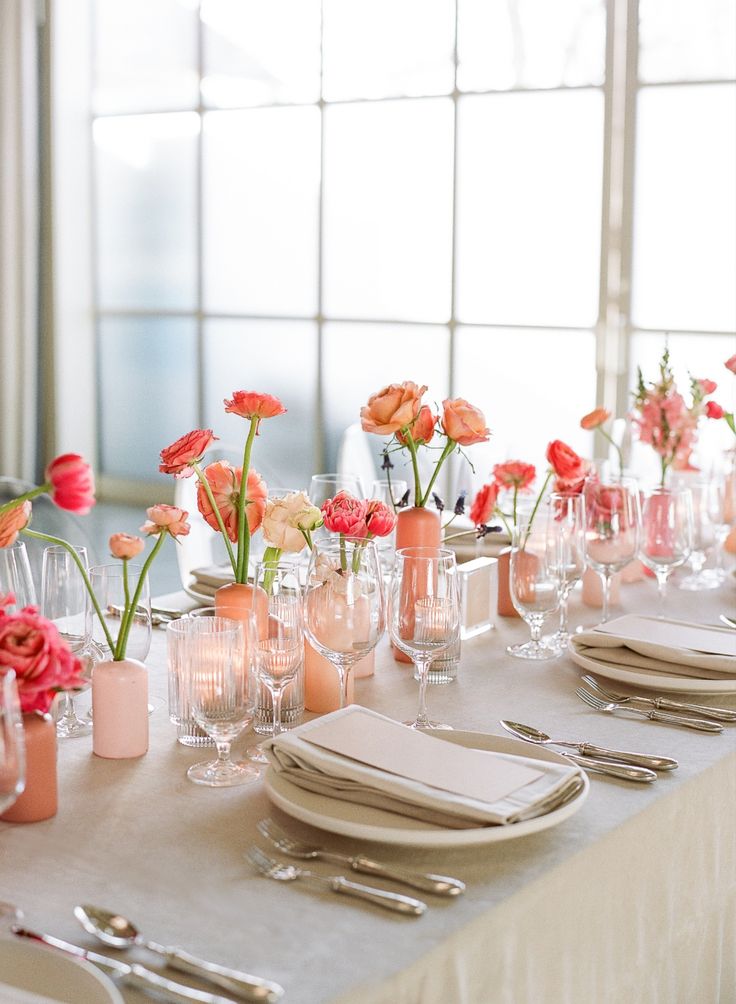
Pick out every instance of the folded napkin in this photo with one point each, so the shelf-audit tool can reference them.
(366, 758)
(210, 577)
(640, 643)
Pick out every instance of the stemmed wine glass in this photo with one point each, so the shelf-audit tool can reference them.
(326, 486)
(16, 577)
(613, 523)
(391, 492)
(424, 613)
(704, 538)
(12, 744)
(534, 584)
(65, 600)
(566, 551)
(343, 603)
(278, 656)
(666, 533)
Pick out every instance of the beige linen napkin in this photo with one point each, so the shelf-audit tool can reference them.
(649, 656)
(324, 772)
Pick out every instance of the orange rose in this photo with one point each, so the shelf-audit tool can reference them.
(12, 521)
(594, 418)
(393, 408)
(422, 429)
(464, 423)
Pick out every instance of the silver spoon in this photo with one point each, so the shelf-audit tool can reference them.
(112, 929)
(533, 735)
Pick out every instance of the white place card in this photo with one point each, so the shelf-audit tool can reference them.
(396, 749)
(672, 634)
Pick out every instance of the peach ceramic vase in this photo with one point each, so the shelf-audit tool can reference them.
(39, 799)
(237, 601)
(321, 682)
(120, 709)
(416, 527)
(593, 589)
(504, 603)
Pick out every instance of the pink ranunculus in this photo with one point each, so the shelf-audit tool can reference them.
(707, 386)
(422, 429)
(12, 521)
(166, 519)
(178, 458)
(714, 410)
(514, 474)
(564, 461)
(594, 418)
(392, 408)
(43, 664)
(379, 518)
(72, 484)
(224, 481)
(484, 503)
(730, 363)
(125, 545)
(249, 404)
(463, 422)
(345, 514)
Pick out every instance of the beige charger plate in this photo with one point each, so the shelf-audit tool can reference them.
(654, 681)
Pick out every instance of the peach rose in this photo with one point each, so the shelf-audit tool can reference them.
(393, 408)
(72, 483)
(12, 521)
(166, 519)
(125, 545)
(594, 418)
(178, 458)
(464, 423)
(422, 428)
(224, 481)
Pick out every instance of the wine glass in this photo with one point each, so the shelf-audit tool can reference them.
(16, 577)
(64, 600)
(391, 492)
(566, 550)
(326, 486)
(613, 522)
(112, 584)
(343, 603)
(279, 656)
(424, 613)
(534, 584)
(218, 679)
(12, 744)
(666, 533)
(704, 538)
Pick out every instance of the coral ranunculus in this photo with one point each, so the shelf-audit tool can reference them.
(125, 545)
(564, 461)
(514, 474)
(714, 410)
(594, 418)
(72, 483)
(224, 481)
(43, 664)
(484, 504)
(280, 521)
(393, 408)
(345, 514)
(178, 458)
(12, 521)
(166, 519)
(464, 423)
(379, 519)
(249, 404)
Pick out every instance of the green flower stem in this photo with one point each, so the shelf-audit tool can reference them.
(307, 534)
(516, 499)
(449, 447)
(665, 465)
(271, 557)
(119, 653)
(34, 493)
(536, 506)
(83, 572)
(241, 572)
(390, 492)
(498, 512)
(616, 447)
(343, 554)
(126, 586)
(406, 433)
(728, 416)
(218, 515)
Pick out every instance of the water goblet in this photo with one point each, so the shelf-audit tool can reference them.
(566, 549)
(279, 656)
(704, 538)
(12, 745)
(326, 486)
(16, 576)
(391, 493)
(613, 523)
(424, 613)
(534, 584)
(343, 603)
(666, 533)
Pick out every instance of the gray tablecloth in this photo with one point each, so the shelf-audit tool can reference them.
(632, 899)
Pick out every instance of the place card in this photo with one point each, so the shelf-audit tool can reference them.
(672, 634)
(392, 747)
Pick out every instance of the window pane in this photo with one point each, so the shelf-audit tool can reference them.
(532, 386)
(529, 207)
(530, 43)
(145, 55)
(388, 210)
(261, 198)
(146, 178)
(375, 48)
(684, 234)
(687, 39)
(235, 359)
(375, 355)
(257, 53)
(134, 423)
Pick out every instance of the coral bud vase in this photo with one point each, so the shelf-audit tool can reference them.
(237, 601)
(119, 709)
(593, 589)
(321, 682)
(416, 527)
(505, 605)
(39, 800)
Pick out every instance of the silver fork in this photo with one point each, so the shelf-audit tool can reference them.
(283, 872)
(441, 885)
(700, 724)
(662, 703)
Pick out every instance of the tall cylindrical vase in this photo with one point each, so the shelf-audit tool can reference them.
(120, 709)
(416, 527)
(39, 799)
(505, 605)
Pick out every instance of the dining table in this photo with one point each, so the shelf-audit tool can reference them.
(632, 898)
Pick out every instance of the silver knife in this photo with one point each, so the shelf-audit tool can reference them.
(612, 768)
(136, 975)
(531, 735)
(665, 704)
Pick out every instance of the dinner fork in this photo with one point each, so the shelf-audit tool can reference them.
(441, 885)
(662, 703)
(700, 724)
(283, 872)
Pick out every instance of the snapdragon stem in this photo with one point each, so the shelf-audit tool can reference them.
(34, 493)
(119, 652)
(241, 572)
(82, 571)
(218, 515)
(449, 447)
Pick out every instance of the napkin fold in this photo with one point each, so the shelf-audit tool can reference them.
(325, 772)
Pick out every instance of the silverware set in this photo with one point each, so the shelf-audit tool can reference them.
(662, 703)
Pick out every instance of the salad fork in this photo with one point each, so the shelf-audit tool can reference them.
(700, 724)
(441, 885)
(662, 703)
(280, 871)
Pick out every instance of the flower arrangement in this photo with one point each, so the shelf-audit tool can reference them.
(32, 647)
(397, 411)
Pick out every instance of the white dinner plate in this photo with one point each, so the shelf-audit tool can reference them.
(366, 823)
(30, 972)
(652, 680)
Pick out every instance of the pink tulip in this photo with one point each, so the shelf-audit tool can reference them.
(72, 483)
(379, 519)
(345, 514)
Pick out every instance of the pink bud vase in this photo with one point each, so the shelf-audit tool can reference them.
(321, 682)
(119, 709)
(39, 799)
